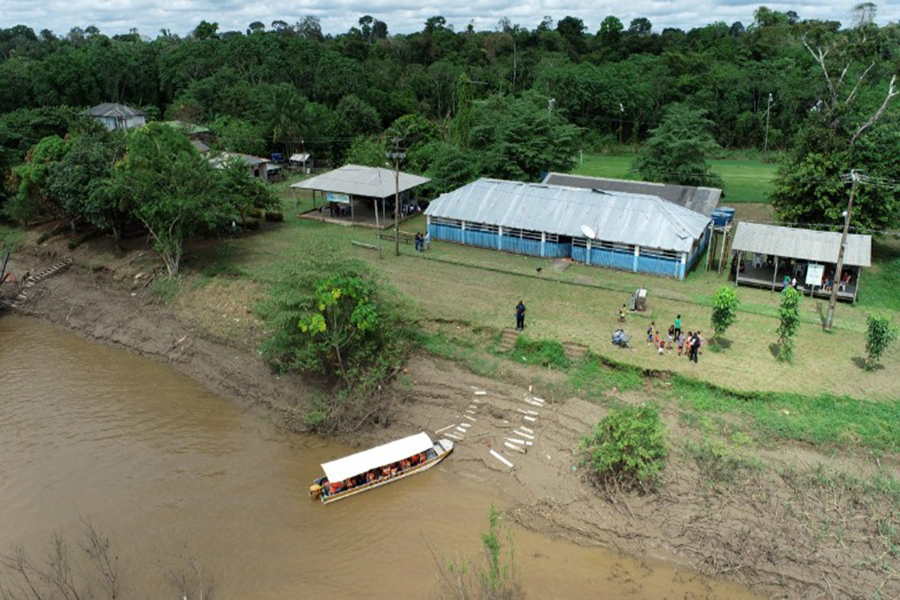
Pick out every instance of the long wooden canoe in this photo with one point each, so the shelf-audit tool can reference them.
(359, 464)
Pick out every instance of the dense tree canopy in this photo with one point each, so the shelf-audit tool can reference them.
(504, 102)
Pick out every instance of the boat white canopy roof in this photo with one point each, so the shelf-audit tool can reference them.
(379, 456)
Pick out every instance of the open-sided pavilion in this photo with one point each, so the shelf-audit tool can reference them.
(361, 195)
(772, 256)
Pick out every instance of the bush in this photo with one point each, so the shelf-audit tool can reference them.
(724, 313)
(542, 352)
(274, 216)
(880, 333)
(343, 326)
(627, 448)
(789, 316)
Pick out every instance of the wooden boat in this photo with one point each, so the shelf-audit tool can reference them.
(417, 450)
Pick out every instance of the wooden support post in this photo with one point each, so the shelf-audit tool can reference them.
(711, 248)
(737, 271)
(724, 245)
(856, 291)
(775, 274)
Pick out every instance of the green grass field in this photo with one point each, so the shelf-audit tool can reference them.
(745, 180)
(570, 302)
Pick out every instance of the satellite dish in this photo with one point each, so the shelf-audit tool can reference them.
(588, 232)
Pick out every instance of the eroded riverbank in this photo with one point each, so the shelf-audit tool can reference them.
(767, 532)
(167, 468)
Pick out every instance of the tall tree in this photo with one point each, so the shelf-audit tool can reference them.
(676, 151)
(172, 189)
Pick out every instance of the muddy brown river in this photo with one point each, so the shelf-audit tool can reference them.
(168, 469)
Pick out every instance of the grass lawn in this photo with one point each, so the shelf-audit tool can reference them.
(745, 180)
(569, 302)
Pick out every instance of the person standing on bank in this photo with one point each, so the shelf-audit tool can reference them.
(520, 316)
(677, 326)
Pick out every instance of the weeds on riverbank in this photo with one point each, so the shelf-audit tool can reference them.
(493, 577)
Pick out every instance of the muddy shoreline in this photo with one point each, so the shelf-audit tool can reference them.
(747, 533)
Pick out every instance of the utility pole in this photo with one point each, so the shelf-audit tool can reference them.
(768, 110)
(621, 116)
(396, 154)
(835, 284)
(378, 228)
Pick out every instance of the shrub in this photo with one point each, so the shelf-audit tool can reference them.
(543, 352)
(627, 448)
(724, 313)
(789, 316)
(343, 326)
(274, 216)
(880, 333)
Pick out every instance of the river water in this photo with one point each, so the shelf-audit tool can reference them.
(169, 470)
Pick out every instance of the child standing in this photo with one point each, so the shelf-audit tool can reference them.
(671, 336)
(661, 344)
(650, 332)
(680, 342)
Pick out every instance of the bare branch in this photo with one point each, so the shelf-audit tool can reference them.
(819, 56)
(858, 83)
(887, 99)
(843, 74)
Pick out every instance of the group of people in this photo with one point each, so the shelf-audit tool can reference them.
(377, 474)
(675, 339)
(423, 242)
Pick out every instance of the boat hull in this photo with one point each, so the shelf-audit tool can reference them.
(446, 449)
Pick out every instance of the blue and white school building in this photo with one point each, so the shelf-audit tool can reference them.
(633, 232)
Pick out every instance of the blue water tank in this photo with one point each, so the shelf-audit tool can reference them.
(276, 157)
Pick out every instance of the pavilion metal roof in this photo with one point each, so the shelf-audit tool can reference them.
(356, 180)
(698, 199)
(804, 244)
(379, 456)
(633, 219)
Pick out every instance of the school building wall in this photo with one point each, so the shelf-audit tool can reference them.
(640, 261)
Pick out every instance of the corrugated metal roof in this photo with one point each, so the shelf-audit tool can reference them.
(698, 199)
(371, 182)
(379, 456)
(632, 219)
(805, 244)
(111, 109)
(249, 160)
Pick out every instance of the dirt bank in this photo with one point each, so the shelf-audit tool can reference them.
(779, 530)
(125, 314)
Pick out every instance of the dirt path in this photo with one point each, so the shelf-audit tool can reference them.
(772, 530)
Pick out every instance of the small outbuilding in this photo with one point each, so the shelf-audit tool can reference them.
(117, 116)
(772, 256)
(703, 200)
(301, 161)
(362, 194)
(631, 232)
(256, 166)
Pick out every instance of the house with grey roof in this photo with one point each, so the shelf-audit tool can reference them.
(698, 199)
(117, 116)
(633, 232)
(256, 166)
